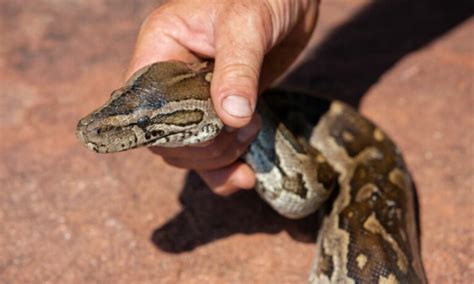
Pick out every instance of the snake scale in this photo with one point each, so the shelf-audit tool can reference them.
(308, 150)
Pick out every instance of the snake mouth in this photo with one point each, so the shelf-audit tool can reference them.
(103, 141)
(80, 136)
(83, 138)
(88, 144)
(81, 133)
(169, 140)
(84, 141)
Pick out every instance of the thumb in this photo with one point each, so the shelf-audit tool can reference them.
(240, 49)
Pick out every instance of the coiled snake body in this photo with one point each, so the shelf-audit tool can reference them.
(308, 148)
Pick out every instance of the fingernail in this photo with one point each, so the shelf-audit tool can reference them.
(247, 132)
(237, 106)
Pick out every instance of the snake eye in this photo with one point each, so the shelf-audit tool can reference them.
(143, 122)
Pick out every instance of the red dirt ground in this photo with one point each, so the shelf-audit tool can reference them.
(68, 215)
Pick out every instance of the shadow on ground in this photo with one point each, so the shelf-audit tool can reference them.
(206, 217)
(344, 66)
(354, 56)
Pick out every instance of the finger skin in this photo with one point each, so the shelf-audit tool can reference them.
(230, 179)
(228, 157)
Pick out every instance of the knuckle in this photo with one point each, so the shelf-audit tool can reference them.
(164, 19)
(249, 11)
(156, 17)
(239, 76)
(251, 15)
(240, 70)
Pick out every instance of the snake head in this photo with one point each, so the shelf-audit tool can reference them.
(163, 104)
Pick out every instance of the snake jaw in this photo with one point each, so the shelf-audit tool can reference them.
(80, 136)
(104, 134)
(98, 134)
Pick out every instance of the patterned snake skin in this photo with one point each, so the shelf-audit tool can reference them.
(308, 150)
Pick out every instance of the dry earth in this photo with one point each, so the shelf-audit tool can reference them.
(68, 215)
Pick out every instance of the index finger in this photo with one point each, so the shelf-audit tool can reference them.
(157, 41)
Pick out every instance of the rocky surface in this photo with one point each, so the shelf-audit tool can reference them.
(68, 215)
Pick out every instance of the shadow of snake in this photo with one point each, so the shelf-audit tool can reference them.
(344, 66)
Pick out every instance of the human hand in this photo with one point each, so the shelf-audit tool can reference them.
(253, 42)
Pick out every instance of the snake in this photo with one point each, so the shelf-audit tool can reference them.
(310, 154)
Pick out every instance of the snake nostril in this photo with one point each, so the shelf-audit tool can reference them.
(86, 121)
(82, 122)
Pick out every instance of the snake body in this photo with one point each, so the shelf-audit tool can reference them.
(308, 151)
